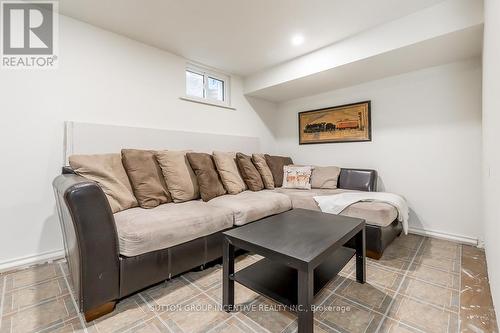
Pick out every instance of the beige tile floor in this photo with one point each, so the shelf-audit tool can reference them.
(420, 285)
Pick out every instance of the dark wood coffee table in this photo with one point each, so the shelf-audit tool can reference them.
(303, 251)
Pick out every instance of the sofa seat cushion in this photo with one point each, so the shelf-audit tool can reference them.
(304, 198)
(251, 206)
(375, 213)
(144, 230)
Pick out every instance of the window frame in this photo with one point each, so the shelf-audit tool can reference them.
(208, 73)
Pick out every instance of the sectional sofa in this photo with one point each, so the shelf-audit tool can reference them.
(113, 254)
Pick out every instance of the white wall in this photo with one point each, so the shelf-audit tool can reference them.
(102, 78)
(491, 144)
(426, 142)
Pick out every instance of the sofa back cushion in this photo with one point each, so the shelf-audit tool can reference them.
(298, 177)
(249, 172)
(145, 177)
(206, 175)
(228, 171)
(325, 177)
(108, 171)
(179, 176)
(276, 164)
(267, 177)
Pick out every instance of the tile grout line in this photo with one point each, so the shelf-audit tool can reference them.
(199, 289)
(401, 272)
(399, 287)
(139, 323)
(371, 320)
(251, 328)
(77, 309)
(154, 312)
(290, 324)
(2, 299)
(432, 283)
(332, 292)
(448, 325)
(409, 326)
(42, 302)
(220, 324)
(253, 321)
(376, 311)
(424, 265)
(34, 284)
(57, 324)
(324, 324)
(439, 307)
(217, 302)
(460, 287)
(329, 294)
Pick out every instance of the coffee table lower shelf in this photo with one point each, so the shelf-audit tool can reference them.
(279, 282)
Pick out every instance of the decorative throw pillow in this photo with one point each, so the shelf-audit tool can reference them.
(180, 177)
(207, 176)
(228, 171)
(250, 174)
(276, 164)
(325, 177)
(107, 170)
(297, 177)
(267, 177)
(145, 177)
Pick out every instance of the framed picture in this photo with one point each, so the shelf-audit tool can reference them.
(343, 123)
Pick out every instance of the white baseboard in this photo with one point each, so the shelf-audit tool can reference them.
(31, 260)
(445, 235)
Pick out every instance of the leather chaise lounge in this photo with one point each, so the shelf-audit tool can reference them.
(112, 256)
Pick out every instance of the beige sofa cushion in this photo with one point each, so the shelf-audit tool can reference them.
(180, 177)
(249, 172)
(276, 164)
(207, 175)
(325, 177)
(228, 171)
(267, 177)
(251, 206)
(375, 213)
(107, 170)
(145, 177)
(145, 230)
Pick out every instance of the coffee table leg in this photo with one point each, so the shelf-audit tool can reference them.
(227, 272)
(305, 299)
(360, 256)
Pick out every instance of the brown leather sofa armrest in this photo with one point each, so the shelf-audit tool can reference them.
(67, 170)
(90, 240)
(358, 179)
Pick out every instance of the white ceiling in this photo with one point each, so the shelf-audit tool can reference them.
(239, 36)
(456, 46)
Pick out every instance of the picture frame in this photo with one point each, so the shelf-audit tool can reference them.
(336, 124)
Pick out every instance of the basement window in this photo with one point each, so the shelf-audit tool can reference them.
(207, 86)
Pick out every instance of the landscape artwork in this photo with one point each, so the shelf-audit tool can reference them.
(344, 123)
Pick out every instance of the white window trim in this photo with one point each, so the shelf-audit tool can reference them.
(206, 101)
(207, 72)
